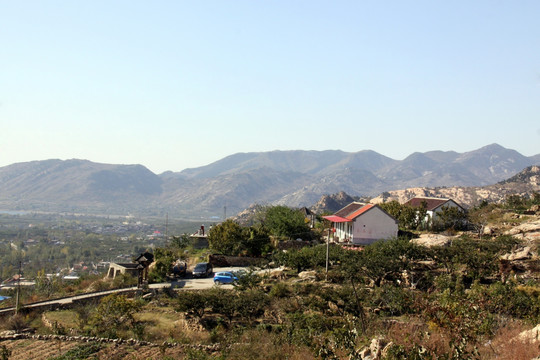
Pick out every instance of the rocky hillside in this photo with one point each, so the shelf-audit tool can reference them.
(524, 183)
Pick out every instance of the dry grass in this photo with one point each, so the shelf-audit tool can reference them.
(257, 344)
(68, 319)
(506, 346)
(164, 324)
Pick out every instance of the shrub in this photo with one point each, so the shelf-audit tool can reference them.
(114, 313)
(17, 323)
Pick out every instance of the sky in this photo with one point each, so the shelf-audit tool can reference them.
(180, 84)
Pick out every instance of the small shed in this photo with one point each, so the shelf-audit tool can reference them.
(138, 268)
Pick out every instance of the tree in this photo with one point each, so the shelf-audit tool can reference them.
(383, 260)
(194, 303)
(45, 285)
(393, 208)
(180, 242)
(450, 217)
(164, 258)
(115, 312)
(226, 238)
(409, 217)
(256, 241)
(286, 222)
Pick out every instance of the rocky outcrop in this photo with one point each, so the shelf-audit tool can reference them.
(529, 231)
(430, 240)
(523, 253)
(531, 336)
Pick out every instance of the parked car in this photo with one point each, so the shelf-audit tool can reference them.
(223, 277)
(203, 270)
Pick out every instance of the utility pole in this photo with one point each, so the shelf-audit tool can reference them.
(18, 289)
(327, 248)
(167, 227)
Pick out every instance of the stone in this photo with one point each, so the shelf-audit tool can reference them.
(308, 275)
(520, 254)
(430, 240)
(532, 335)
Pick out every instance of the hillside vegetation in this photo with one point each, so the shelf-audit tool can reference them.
(472, 295)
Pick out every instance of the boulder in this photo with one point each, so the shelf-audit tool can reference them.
(375, 350)
(430, 240)
(520, 254)
(526, 231)
(308, 275)
(531, 336)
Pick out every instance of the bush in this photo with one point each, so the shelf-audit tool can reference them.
(393, 300)
(113, 314)
(17, 323)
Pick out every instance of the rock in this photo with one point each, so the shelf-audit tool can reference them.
(375, 350)
(308, 275)
(526, 231)
(520, 254)
(376, 347)
(532, 335)
(365, 354)
(430, 240)
(384, 352)
(276, 273)
(488, 230)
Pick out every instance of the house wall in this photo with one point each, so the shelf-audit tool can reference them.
(115, 270)
(373, 225)
(343, 231)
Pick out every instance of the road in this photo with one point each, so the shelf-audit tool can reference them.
(190, 283)
(187, 283)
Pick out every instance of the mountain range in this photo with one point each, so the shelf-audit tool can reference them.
(294, 178)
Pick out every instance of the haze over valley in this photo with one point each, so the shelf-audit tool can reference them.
(293, 178)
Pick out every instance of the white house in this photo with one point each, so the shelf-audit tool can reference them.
(433, 205)
(363, 224)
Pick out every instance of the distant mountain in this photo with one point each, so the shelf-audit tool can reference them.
(294, 178)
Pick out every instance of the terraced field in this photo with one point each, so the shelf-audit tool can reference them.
(24, 349)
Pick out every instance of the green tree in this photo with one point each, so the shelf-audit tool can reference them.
(180, 242)
(256, 241)
(393, 208)
(163, 258)
(47, 286)
(515, 202)
(450, 217)
(227, 238)
(194, 303)
(383, 260)
(408, 217)
(114, 313)
(283, 221)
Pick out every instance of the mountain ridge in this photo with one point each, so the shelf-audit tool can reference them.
(294, 178)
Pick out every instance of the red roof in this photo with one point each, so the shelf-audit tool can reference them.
(349, 213)
(360, 211)
(336, 219)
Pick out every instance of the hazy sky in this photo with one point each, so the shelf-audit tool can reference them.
(178, 84)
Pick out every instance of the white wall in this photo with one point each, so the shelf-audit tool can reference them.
(374, 225)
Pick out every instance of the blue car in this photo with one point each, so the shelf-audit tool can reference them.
(224, 278)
